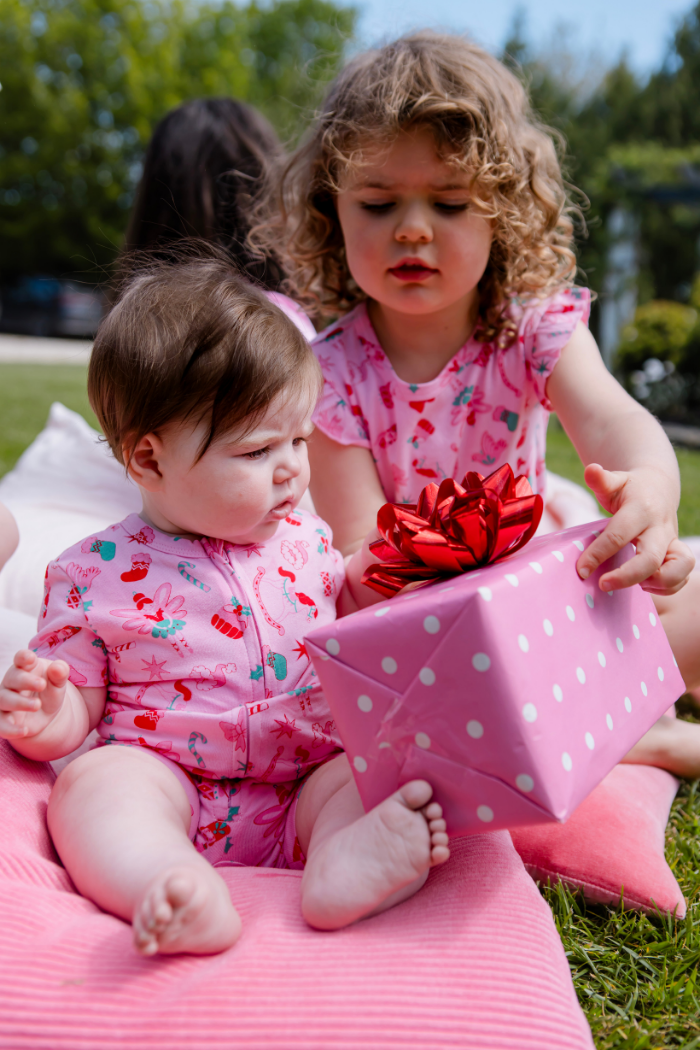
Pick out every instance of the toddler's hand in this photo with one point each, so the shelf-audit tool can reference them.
(31, 694)
(643, 509)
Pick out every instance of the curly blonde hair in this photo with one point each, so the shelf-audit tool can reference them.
(481, 118)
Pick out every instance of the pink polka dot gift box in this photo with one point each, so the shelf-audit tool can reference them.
(513, 689)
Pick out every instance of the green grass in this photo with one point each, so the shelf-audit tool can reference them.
(636, 977)
(26, 394)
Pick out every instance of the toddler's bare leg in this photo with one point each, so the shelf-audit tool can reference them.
(119, 820)
(672, 743)
(361, 863)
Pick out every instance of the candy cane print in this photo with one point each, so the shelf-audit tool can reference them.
(193, 738)
(182, 568)
(256, 587)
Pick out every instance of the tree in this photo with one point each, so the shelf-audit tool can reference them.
(84, 81)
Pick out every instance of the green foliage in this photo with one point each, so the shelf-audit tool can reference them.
(84, 81)
(660, 329)
(626, 139)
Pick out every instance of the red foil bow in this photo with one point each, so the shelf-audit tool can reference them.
(452, 529)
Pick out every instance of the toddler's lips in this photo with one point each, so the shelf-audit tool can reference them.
(412, 272)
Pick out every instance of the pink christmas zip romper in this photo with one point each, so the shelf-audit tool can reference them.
(200, 645)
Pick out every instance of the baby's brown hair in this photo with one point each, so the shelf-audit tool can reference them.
(191, 341)
(481, 118)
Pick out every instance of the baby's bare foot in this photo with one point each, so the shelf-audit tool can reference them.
(377, 861)
(186, 909)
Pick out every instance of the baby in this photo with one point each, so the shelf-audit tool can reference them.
(179, 633)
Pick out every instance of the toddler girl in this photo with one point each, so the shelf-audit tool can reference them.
(427, 207)
(179, 632)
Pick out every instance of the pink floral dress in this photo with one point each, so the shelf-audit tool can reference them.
(487, 407)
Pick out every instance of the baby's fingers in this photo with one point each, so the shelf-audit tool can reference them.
(9, 729)
(10, 701)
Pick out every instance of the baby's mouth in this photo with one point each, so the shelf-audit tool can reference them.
(414, 272)
(282, 509)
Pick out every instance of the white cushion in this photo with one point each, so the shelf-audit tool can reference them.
(65, 486)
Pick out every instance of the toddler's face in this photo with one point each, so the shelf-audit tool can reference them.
(413, 242)
(242, 487)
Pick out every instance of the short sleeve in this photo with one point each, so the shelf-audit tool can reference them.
(294, 312)
(546, 328)
(338, 414)
(64, 631)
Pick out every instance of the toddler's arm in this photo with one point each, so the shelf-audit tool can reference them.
(42, 714)
(354, 594)
(348, 493)
(631, 468)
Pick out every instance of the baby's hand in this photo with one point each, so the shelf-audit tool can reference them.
(31, 694)
(642, 503)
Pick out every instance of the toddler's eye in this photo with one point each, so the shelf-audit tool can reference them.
(450, 209)
(378, 209)
(258, 454)
(299, 441)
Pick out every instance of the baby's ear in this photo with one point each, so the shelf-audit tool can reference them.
(142, 461)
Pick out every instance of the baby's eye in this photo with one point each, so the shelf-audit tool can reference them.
(258, 454)
(299, 441)
(377, 208)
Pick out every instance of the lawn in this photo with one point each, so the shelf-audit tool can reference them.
(636, 977)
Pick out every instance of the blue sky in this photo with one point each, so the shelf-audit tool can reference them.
(601, 28)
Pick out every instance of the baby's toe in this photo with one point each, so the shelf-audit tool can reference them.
(433, 811)
(437, 825)
(439, 854)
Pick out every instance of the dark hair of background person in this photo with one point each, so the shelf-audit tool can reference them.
(204, 165)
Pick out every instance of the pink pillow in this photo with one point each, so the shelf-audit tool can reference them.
(473, 960)
(613, 844)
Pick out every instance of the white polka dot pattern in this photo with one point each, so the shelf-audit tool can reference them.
(523, 643)
(558, 694)
(581, 675)
(530, 713)
(480, 662)
(570, 613)
(524, 782)
(475, 729)
(364, 703)
(382, 612)
(389, 665)
(485, 814)
(566, 762)
(427, 676)
(422, 740)
(548, 629)
(333, 646)
(431, 624)
(360, 763)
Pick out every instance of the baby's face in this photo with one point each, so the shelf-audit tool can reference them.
(243, 486)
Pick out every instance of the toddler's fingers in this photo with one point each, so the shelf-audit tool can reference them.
(619, 531)
(673, 575)
(606, 484)
(651, 551)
